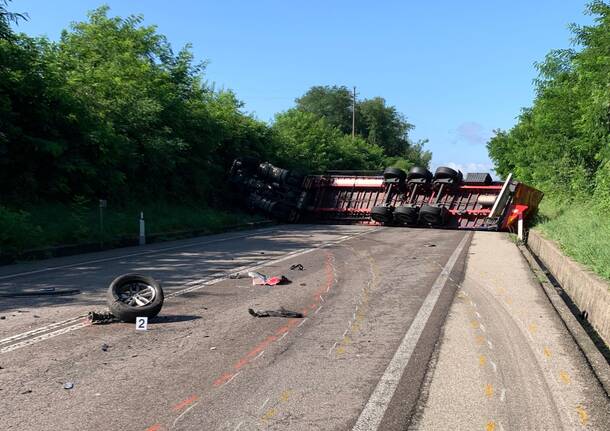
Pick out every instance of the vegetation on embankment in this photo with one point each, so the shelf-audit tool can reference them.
(110, 111)
(562, 144)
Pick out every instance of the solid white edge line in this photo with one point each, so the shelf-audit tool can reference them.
(375, 408)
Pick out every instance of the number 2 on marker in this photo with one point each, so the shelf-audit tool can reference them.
(141, 323)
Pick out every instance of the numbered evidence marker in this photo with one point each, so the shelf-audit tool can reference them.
(141, 323)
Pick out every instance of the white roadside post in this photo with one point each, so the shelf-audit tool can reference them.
(142, 229)
(520, 226)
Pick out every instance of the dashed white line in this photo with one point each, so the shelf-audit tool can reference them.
(318, 309)
(234, 375)
(494, 366)
(303, 322)
(502, 394)
(491, 346)
(183, 413)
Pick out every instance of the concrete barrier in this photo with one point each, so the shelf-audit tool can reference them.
(589, 292)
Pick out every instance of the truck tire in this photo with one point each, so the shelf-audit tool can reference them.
(406, 214)
(134, 295)
(381, 214)
(445, 173)
(419, 172)
(432, 216)
(394, 174)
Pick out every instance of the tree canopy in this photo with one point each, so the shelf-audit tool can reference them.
(562, 143)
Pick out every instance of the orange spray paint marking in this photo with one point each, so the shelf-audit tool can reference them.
(223, 379)
(489, 390)
(582, 415)
(546, 352)
(480, 339)
(155, 427)
(186, 402)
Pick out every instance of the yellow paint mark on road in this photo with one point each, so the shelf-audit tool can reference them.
(285, 395)
(491, 426)
(565, 377)
(532, 328)
(355, 326)
(582, 415)
(509, 300)
(489, 390)
(269, 414)
(546, 352)
(340, 350)
(482, 360)
(346, 340)
(480, 339)
(474, 324)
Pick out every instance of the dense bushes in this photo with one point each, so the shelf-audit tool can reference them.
(111, 112)
(562, 143)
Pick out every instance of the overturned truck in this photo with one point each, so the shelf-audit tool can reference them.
(445, 199)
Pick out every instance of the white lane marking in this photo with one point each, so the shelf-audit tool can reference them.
(41, 329)
(503, 395)
(482, 327)
(330, 351)
(375, 408)
(303, 322)
(183, 413)
(494, 366)
(234, 375)
(319, 308)
(264, 404)
(140, 253)
(224, 276)
(259, 355)
(491, 346)
(283, 335)
(477, 313)
(322, 298)
(43, 337)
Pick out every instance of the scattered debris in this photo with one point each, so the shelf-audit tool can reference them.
(262, 279)
(429, 245)
(303, 284)
(282, 312)
(68, 385)
(297, 266)
(35, 316)
(101, 318)
(235, 276)
(27, 391)
(105, 347)
(212, 348)
(2, 317)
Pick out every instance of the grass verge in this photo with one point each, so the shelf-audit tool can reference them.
(581, 229)
(50, 225)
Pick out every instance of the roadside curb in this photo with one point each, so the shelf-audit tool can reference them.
(71, 250)
(596, 360)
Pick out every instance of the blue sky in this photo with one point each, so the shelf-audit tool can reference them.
(456, 69)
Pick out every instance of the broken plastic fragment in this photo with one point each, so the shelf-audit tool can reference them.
(68, 385)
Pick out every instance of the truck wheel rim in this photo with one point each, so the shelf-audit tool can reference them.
(136, 294)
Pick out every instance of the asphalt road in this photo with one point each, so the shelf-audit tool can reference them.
(374, 300)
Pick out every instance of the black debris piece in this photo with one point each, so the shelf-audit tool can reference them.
(27, 391)
(282, 312)
(105, 347)
(101, 318)
(2, 317)
(430, 245)
(297, 266)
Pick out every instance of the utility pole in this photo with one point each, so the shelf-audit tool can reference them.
(354, 114)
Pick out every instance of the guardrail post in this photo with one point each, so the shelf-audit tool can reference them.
(142, 229)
